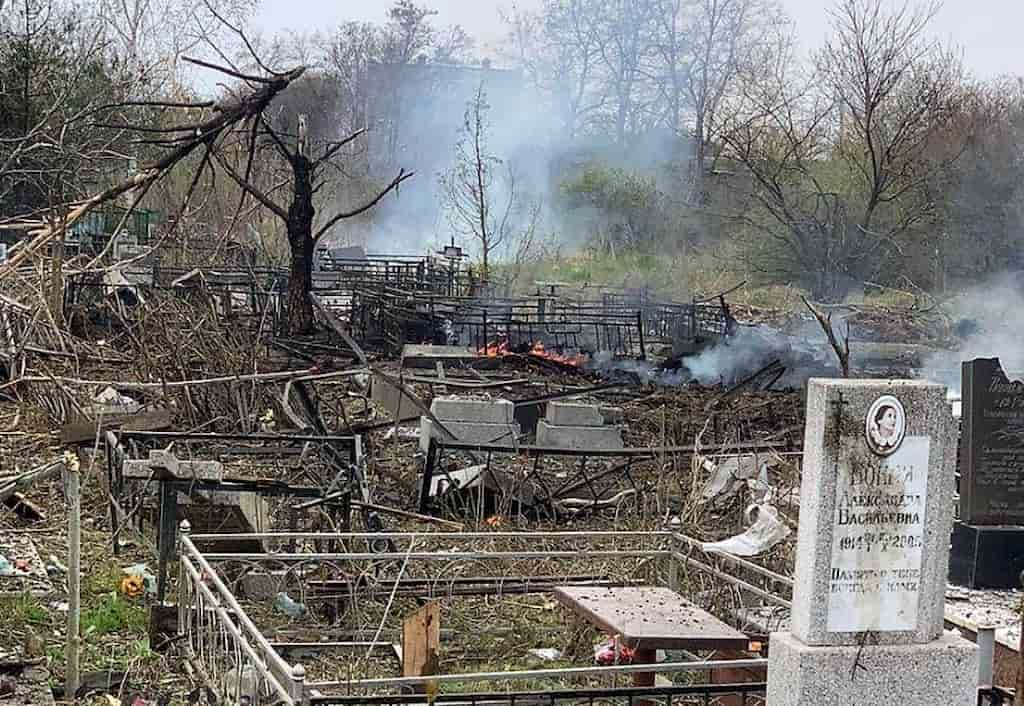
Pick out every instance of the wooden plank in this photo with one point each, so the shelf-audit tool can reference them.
(421, 641)
(81, 431)
(650, 617)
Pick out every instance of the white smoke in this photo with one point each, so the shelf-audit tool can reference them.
(988, 319)
(729, 361)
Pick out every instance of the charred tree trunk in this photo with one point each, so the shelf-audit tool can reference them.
(299, 316)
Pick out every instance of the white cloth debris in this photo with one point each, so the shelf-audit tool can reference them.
(730, 473)
(110, 401)
(403, 433)
(767, 530)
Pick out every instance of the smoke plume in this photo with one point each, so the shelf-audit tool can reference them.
(988, 319)
(733, 359)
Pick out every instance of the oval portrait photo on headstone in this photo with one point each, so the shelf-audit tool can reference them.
(885, 425)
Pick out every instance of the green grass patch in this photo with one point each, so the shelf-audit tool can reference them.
(101, 582)
(25, 609)
(114, 614)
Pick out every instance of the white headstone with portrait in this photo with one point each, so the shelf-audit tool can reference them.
(876, 508)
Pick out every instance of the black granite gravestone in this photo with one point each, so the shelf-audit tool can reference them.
(988, 539)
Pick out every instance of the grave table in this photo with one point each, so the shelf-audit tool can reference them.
(648, 619)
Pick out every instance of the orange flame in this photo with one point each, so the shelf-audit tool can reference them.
(494, 350)
(500, 349)
(577, 360)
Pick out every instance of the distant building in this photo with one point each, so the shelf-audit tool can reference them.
(416, 111)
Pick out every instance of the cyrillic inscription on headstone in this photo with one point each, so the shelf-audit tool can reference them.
(877, 538)
(992, 451)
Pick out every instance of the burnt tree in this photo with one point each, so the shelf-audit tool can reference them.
(303, 174)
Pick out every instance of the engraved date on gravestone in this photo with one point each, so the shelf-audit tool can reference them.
(878, 538)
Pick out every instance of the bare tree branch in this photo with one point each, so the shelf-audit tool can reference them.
(402, 176)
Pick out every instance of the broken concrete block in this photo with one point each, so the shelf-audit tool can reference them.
(136, 469)
(393, 399)
(469, 432)
(612, 415)
(165, 460)
(471, 409)
(603, 438)
(574, 414)
(110, 401)
(425, 356)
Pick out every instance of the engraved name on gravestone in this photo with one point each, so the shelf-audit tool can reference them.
(877, 539)
(875, 513)
(992, 446)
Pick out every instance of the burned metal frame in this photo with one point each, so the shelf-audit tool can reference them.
(629, 456)
(222, 640)
(580, 478)
(403, 272)
(403, 303)
(237, 294)
(341, 454)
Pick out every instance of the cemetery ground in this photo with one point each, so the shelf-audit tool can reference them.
(116, 644)
(682, 482)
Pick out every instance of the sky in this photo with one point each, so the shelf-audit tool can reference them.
(987, 31)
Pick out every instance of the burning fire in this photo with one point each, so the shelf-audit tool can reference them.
(499, 349)
(494, 350)
(577, 360)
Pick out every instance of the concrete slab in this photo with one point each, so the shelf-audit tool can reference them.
(566, 437)
(394, 401)
(944, 671)
(483, 410)
(574, 414)
(426, 356)
(135, 469)
(469, 432)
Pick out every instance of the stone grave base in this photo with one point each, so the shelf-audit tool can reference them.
(481, 433)
(986, 556)
(944, 671)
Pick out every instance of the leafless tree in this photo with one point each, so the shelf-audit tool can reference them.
(835, 161)
(52, 76)
(305, 163)
(146, 38)
(721, 38)
(623, 29)
(895, 90)
(559, 48)
(203, 126)
(481, 194)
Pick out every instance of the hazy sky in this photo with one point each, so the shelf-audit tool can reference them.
(988, 31)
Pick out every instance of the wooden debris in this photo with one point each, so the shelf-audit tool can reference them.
(87, 430)
(24, 508)
(421, 641)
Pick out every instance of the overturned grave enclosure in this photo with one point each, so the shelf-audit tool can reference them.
(388, 301)
(230, 483)
(491, 599)
(558, 482)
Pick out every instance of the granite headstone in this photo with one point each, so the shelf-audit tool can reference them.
(876, 506)
(987, 549)
(992, 445)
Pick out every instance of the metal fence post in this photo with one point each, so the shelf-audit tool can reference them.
(74, 503)
(297, 688)
(183, 532)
